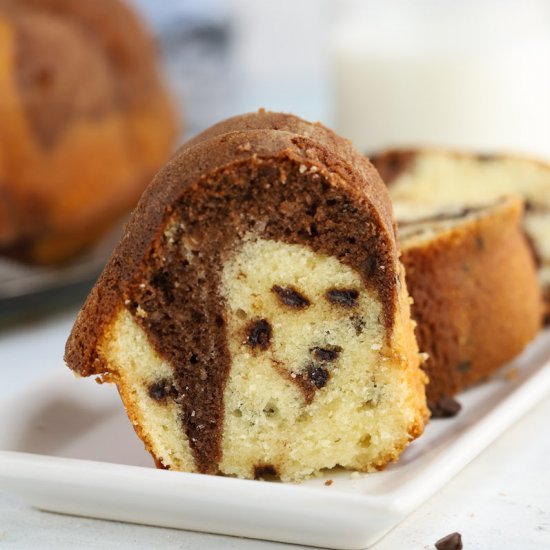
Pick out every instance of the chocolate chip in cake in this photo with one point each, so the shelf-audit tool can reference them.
(445, 407)
(162, 282)
(370, 266)
(259, 334)
(265, 471)
(464, 366)
(485, 157)
(480, 243)
(450, 542)
(271, 409)
(318, 375)
(328, 353)
(342, 297)
(197, 316)
(358, 324)
(290, 297)
(161, 390)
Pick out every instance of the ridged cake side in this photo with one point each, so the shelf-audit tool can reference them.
(475, 293)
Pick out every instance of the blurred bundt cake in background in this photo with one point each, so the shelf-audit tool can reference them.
(85, 123)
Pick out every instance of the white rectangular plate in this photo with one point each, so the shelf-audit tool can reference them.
(66, 446)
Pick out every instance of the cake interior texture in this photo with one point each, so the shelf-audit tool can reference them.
(311, 383)
(255, 316)
(426, 181)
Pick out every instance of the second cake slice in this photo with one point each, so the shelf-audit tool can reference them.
(476, 298)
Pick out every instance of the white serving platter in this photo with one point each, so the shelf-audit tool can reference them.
(66, 446)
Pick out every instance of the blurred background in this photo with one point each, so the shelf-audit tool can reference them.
(473, 74)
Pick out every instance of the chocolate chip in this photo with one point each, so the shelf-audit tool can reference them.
(445, 407)
(162, 281)
(342, 297)
(464, 366)
(450, 542)
(259, 334)
(369, 267)
(311, 210)
(358, 324)
(197, 316)
(329, 353)
(264, 470)
(480, 242)
(485, 157)
(161, 390)
(536, 208)
(318, 375)
(290, 297)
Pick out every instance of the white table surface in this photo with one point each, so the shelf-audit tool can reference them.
(500, 501)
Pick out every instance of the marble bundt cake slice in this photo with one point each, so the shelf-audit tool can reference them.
(254, 315)
(424, 181)
(475, 293)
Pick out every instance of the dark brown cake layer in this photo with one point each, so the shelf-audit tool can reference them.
(112, 28)
(76, 59)
(231, 182)
(443, 217)
(392, 163)
(54, 63)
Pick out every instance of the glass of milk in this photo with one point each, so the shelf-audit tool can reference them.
(469, 74)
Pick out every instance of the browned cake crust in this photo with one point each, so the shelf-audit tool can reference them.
(476, 297)
(272, 174)
(86, 122)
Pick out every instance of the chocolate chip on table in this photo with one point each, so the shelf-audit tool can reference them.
(450, 542)
(342, 297)
(330, 353)
(290, 297)
(259, 334)
(445, 407)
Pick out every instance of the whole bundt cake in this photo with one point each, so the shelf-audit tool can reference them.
(254, 315)
(85, 122)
